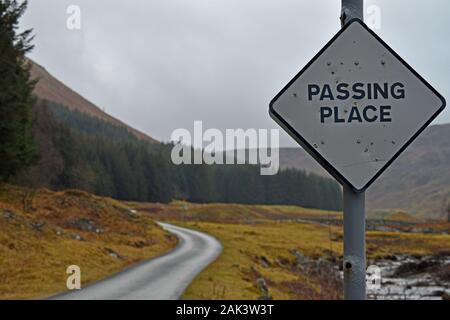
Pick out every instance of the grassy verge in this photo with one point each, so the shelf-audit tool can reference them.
(263, 251)
(43, 232)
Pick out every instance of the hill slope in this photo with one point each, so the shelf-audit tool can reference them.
(44, 232)
(51, 89)
(419, 181)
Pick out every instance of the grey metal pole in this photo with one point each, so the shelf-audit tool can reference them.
(354, 245)
(352, 9)
(354, 207)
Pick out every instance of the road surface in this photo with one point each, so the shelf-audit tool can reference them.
(162, 278)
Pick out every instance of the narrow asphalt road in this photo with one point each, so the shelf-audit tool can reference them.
(162, 278)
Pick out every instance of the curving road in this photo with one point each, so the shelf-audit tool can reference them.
(162, 278)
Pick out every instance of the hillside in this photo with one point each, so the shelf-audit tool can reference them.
(44, 232)
(419, 181)
(51, 89)
(81, 147)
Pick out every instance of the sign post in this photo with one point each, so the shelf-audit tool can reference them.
(354, 206)
(354, 245)
(355, 107)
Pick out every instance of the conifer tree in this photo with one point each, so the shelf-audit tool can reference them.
(17, 147)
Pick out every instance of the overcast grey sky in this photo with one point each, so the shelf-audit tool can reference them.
(159, 65)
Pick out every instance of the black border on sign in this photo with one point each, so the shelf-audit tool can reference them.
(316, 155)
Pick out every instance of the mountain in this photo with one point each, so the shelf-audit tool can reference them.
(51, 89)
(81, 147)
(417, 182)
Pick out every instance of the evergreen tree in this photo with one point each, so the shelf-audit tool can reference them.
(17, 147)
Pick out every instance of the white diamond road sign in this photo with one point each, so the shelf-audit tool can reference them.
(356, 106)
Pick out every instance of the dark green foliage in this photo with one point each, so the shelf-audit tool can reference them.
(89, 125)
(17, 147)
(244, 184)
(125, 168)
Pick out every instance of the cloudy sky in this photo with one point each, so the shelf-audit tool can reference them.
(159, 65)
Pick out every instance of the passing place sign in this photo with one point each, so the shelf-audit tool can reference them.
(356, 106)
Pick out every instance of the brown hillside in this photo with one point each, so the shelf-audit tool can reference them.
(418, 181)
(49, 88)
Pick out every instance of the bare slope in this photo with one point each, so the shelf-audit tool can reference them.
(50, 88)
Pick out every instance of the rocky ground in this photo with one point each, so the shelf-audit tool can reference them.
(400, 277)
(411, 278)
